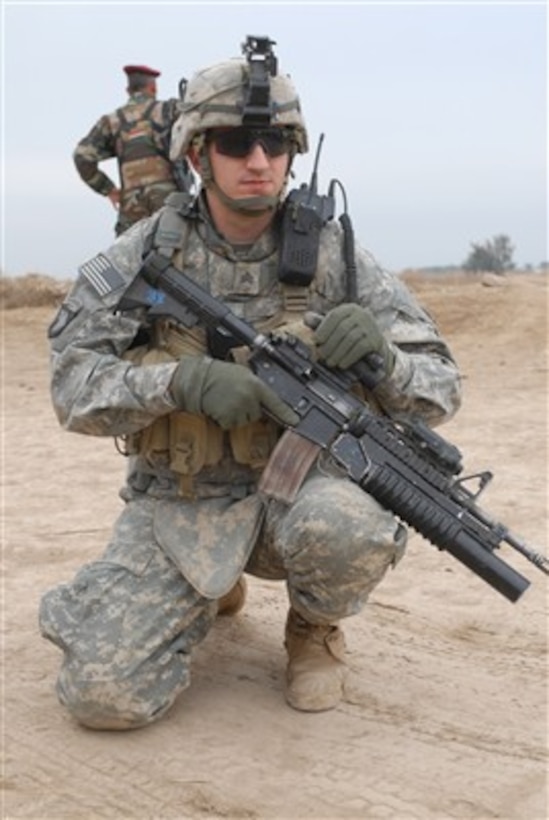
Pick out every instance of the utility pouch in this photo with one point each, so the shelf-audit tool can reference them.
(153, 442)
(252, 444)
(194, 443)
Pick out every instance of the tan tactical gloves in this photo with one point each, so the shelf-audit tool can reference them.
(228, 393)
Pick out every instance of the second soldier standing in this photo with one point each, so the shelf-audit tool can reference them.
(138, 135)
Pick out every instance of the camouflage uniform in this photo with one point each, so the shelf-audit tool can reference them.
(194, 519)
(128, 622)
(146, 174)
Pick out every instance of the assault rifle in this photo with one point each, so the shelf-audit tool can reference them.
(402, 463)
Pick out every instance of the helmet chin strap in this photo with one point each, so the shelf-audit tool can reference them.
(247, 206)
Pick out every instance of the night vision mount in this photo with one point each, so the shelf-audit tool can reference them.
(262, 64)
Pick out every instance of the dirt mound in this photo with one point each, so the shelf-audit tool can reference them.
(497, 309)
(32, 290)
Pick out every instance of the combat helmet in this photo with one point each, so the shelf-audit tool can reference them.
(239, 92)
(236, 92)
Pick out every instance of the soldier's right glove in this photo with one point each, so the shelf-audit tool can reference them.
(228, 393)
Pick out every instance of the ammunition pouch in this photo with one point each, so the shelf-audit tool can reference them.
(186, 443)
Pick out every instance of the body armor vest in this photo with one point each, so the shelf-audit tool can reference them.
(187, 443)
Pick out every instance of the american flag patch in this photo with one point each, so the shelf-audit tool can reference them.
(102, 275)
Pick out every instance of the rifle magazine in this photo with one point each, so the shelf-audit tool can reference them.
(287, 468)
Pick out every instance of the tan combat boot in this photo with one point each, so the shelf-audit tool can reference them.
(316, 667)
(233, 601)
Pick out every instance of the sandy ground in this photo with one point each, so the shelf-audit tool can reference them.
(445, 714)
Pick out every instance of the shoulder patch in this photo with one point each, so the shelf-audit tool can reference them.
(102, 275)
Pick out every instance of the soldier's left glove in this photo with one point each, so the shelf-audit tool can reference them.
(228, 393)
(350, 333)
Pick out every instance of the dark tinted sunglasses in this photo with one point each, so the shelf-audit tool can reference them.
(238, 142)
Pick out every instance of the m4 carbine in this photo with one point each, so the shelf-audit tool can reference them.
(408, 468)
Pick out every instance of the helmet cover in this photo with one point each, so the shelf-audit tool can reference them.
(216, 97)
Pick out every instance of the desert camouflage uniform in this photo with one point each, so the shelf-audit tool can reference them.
(144, 183)
(128, 622)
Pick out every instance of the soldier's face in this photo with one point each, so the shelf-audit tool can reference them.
(260, 172)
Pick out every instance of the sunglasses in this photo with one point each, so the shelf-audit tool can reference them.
(238, 142)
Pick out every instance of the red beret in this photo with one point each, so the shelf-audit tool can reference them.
(141, 69)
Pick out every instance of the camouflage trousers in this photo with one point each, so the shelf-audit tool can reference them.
(127, 623)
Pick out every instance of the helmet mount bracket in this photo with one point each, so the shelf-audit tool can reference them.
(262, 63)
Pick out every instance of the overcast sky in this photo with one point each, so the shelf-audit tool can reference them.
(434, 115)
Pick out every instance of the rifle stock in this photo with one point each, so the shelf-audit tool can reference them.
(403, 464)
